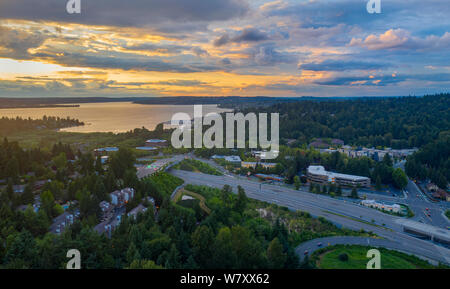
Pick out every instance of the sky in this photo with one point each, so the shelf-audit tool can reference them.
(224, 47)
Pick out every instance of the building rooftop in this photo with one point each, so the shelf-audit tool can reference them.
(320, 170)
(156, 141)
(107, 149)
(146, 148)
(232, 158)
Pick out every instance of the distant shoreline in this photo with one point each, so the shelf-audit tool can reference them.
(38, 106)
(220, 101)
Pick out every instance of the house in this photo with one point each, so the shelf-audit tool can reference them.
(328, 151)
(432, 187)
(318, 144)
(441, 194)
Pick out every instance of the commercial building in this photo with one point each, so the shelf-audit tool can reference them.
(254, 164)
(318, 174)
(395, 208)
(270, 177)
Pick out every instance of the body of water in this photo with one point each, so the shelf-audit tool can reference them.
(111, 116)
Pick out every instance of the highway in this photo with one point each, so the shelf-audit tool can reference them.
(340, 212)
(311, 246)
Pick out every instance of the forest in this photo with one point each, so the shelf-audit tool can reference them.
(10, 125)
(397, 122)
(432, 161)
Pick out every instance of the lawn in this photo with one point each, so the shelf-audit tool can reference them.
(199, 197)
(329, 259)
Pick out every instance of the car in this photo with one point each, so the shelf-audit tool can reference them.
(306, 252)
(427, 209)
(319, 244)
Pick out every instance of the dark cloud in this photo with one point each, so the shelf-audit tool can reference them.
(15, 43)
(124, 61)
(226, 61)
(250, 35)
(136, 13)
(342, 65)
(384, 79)
(163, 48)
(269, 55)
(246, 35)
(199, 51)
(222, 40)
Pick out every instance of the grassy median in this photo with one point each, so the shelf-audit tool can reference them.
(354, 257)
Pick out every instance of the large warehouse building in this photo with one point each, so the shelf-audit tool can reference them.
(318, 174)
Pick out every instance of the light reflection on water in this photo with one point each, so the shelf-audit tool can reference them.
(111, 116)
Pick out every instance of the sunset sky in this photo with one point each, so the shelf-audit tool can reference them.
(224, 47)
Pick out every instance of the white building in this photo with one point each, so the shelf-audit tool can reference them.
(318, 174)
(395, 208)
